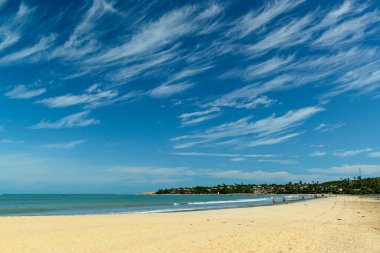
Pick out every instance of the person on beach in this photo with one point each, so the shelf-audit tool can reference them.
(273, 200)
(284, 199)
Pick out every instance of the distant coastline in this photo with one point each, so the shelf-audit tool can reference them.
(354, 186)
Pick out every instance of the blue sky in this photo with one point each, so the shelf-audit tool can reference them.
(126, 96)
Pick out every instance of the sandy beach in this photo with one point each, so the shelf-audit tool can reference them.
(334, 224)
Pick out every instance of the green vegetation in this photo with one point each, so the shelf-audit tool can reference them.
(343, 186)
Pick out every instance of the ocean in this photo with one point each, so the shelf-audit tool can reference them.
(80, 204)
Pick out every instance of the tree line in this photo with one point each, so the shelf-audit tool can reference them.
(343, 186)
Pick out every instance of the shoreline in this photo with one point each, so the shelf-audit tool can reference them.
(185, 206)
(335, 224)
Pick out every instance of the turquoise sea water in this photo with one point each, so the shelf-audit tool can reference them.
(73, 204)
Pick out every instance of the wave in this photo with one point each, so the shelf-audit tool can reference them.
(168, 210)
(218, 202)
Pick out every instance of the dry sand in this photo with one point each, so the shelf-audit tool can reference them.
(335, 224)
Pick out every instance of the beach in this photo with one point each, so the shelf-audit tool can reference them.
(332, 224)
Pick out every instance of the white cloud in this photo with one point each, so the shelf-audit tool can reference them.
(265, 131)
(223, 155)
(271, 141)
(177, 174)
(93, 97)
(134, 70)
(333, 16)
(186, 116)
(199, 116)
(366, 170)
(318, 154)
(83, 39)
(255, 20)
(363, 79)
(18, 160)
(270, 66)
(323, 127)
(71, 99)
(237, 159)
(198, 120)
(374, 154)
(27, 53)
(23, 92)
(284, 162)
(267, 176)
(63, 145)
(11, 31)
(250, 96)
(154, 35)
(349, 31)
(9, 141)
(288, 35)
(74, 120)
(188, 72)
(349, 153)
(164, 91)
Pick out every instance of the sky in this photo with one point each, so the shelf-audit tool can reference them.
(129, 96)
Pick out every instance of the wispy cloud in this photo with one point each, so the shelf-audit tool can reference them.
(272, 140)
(323, 127)
(80, 119)
(250, 96)
(256, 20)
(152, 36)
(15, 160)
(11, 31)
(270, 66)
(224, 155)
(28, 53)
(348, 7)
(63, 145)
(91, 97)
(238, 159)
(284, 162)
(318, 154)
(349, 153)
(23, 92)
(366, 169)
(188, 72)
(288, 35)
(374, 154)
(266, 131)
(346, 32)
(177, 174)
(9, 141)
(199, 116)
(165, 91)
(83, 39)
(267, 176)
(147, 48)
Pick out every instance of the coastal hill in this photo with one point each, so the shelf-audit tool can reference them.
(343, 186)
